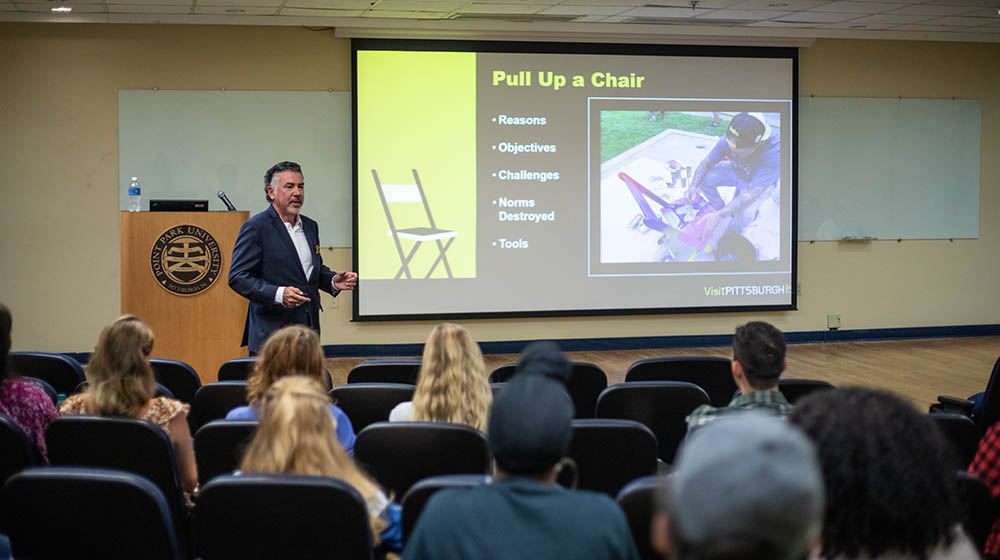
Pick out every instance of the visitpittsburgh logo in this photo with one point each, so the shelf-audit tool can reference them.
(751, 290)
(185, 260)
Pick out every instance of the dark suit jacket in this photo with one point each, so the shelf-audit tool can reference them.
(264, 258)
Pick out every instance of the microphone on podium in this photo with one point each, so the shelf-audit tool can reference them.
(225, 200)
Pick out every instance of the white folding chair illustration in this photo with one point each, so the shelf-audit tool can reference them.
(393, 194)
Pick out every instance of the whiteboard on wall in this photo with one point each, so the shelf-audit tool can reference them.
(192, 144)
(888, 168)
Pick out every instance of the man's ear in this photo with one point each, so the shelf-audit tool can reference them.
(784, 365)
(737, 371)
(659, 534)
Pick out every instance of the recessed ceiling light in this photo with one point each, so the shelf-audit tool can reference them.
(778, 5)
(62, 9)
(235, 11)
(858, 26)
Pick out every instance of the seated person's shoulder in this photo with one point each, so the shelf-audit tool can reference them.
(165, 409)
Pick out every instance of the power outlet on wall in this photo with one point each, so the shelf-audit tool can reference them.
(798, 288)
(833, 322)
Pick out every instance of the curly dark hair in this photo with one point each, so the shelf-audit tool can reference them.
(889, 473)
(759, 347)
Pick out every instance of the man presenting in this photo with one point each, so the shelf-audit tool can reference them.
(276, 262)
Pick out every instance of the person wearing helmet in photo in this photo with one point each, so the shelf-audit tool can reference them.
(748, 157)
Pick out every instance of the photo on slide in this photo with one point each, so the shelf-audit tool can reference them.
(689, 186)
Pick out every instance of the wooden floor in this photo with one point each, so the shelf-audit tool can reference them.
(920, 370)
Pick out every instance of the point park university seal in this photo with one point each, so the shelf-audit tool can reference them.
(185, 260)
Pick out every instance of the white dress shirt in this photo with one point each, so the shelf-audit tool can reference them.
(298, 235)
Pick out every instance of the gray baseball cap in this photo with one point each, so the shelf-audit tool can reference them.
(748, 475)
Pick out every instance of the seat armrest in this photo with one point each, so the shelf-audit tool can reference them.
(953, 405)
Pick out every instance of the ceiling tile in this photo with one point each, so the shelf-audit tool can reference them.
(147, 9)
(791, 25)
(111, 3)
(969, 3)
(563, 10)
(929, 10)
(983, 12)
(77, 8)
(626, 3)
(858, 7)
(235, 11)
(538, 5)
(932, 28)
(399, 14)
(319, 12)
(478, 8)
(748, 15)
(889, 19)
(273, 4)
(818, 17)
(960, 21)
(791, 5)
(665, 12)
(421, 6)
(616, 19)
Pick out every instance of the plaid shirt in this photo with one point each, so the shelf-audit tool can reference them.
(769, 401)
(986, 465)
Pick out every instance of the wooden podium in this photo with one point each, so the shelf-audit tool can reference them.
(175, 267)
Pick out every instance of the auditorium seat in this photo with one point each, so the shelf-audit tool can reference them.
(988, 412)
(712, 373)
(219, 447)
(72, 512)
(961, 432)
(178, 376)
(638, 500)
(398, 454)
(280, 516)
(416, 498)
(367, 403)
(661, 406)
(237, 369)
(62, 372)
(609, 453)
(386, 371)
(16, 450)
(795, 390)
(215, 400)
(586, 381)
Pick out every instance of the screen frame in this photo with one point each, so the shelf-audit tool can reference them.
(713, 51)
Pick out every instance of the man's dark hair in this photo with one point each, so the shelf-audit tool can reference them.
(759, 347)
(278, 168)
(888, 470)
(6, 322)
(745, 130)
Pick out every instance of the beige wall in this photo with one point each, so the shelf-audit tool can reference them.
(59, 246)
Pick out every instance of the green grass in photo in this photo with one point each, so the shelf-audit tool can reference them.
(623, 130)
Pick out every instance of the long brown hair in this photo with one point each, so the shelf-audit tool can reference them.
(293, 350)
(298, 435)
(120, 378)
(452, 385)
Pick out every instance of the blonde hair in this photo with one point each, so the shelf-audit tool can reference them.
(298, 435)
(452, 385)
(293, 350)
(120, 379)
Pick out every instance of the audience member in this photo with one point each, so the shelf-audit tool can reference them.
(758, 361)
(747, 487)
(890, 478)
(121, 383)
(453, 384)
(524, 514)
(296, 435)
(21, 400)
(292, 350)
(986, 466)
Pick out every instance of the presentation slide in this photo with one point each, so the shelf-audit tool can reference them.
(517, 179)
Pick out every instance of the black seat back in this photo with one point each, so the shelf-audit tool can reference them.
(367, 403)
(610, 453)
(989, 413)
(219, 447)
(398, 454)
(639, 502)
(961, 432)
(978, 514)
(178, 376)
(127, 444)
(215, 400)
(69, 512)
(795, 390)
(62, 372)
(586, 381)
(416, 498)
(45, 386)
(662, 406)
(711, 373)
(237, 369)
(17, 452)
(386, 371)
(281, 516)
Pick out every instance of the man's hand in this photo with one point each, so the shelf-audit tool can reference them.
(345, 280)
(293, 297)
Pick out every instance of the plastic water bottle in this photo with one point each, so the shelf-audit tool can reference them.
(134, 195)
